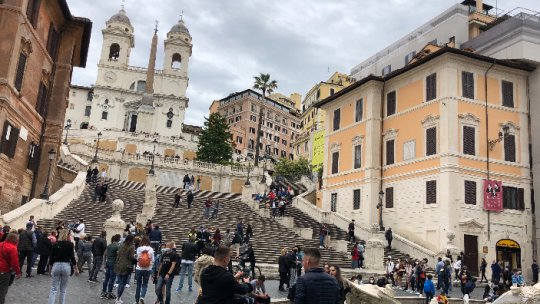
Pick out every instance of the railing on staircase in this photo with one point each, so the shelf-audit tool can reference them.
(400, 242)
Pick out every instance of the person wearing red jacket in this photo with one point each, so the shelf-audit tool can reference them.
(9, 261)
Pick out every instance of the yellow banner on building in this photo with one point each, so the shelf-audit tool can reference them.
(317, 158)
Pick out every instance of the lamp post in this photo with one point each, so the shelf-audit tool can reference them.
(380, 206)
(95, 160)
(502, 135)
(52, 157)
(67, 127)
(248, 183)
(263, 180)
(152, 169)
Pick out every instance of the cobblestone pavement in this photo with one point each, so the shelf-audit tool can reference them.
(36, 290)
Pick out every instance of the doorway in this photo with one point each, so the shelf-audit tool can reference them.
(471, 253)
(133, 123)
(509, 252)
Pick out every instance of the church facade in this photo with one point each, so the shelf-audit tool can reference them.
(135, 99)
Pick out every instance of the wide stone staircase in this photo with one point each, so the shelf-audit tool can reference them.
(269, 236)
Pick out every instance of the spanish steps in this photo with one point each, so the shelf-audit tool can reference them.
(269, 236)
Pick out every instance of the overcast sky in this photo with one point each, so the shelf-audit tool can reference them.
(299, 43)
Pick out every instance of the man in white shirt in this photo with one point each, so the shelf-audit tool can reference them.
(103, 174)
(143, 270)
(390, 270)
(78, 230)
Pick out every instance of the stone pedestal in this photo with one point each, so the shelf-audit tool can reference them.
(150, 201)
(115, 224)
(286, 221)
(454, 250)
(340, 245)
(305, 233)
(374, 254)
(247, 193)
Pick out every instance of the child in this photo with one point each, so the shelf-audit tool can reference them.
(429, 288)
(442, 299)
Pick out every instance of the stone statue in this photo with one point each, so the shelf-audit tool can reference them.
(370, 294)
(115, 224)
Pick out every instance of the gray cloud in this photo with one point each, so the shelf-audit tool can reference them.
(299, 42)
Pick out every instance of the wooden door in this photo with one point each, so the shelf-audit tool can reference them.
(471, 253)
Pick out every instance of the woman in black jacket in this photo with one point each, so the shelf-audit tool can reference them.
(44, 249)
(284, 266)
(62, 263)
(335, 271)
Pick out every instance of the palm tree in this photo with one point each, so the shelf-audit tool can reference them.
(263, 83)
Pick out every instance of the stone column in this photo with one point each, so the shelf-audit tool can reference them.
(150, 200)
(374, 254)
(247, 194)
(115, 224)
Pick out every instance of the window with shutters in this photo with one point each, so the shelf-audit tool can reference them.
(513, 198)
(470, 192)
(390, 152)
(510, 148)
(337, 117)
(359, 111)
(52, 41)
(507, 94)
(333, 202)
(332, 91)
(10, 136)
(431, 141)
(389, 197)
(467, 84)
(41, 104)
(431, 87)
(335, 162)
(357, 156)
(469, 140)
(19, 76)
(356, 199)
(33, 157)
(391, 103)
(32, 11)
(431, 192)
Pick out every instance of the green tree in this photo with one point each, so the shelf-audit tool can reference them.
(292, 169)
(263, 83)
(215, 140)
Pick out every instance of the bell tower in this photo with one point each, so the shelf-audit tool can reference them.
(178, 49)
(118, 39)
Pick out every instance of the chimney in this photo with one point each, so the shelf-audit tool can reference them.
(480, 6)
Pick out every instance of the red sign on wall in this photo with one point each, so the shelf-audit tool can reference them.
(493, 194)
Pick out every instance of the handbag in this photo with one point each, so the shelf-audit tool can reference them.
(11, 273)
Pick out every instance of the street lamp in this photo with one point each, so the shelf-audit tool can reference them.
(380, 206)
(67, 127)
(502, 135)
(52, 157)
(95, 160)
(248, 183)
(263, 180)
(152, 169)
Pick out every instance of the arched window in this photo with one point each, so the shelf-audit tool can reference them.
(170, 115)
(84, 125)
(114, 52)
(176, 61)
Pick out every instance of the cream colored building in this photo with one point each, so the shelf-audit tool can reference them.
(117, 99)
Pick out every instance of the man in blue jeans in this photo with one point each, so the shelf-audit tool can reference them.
(166, 273)
(189, 251)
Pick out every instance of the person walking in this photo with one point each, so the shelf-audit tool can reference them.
(535, 270)
(99, 246)
(110, 276)
(186, 181)
(207, 205)
(214, 210)
(165, 273)
(389, 237)
(177, 198)
(124, 265)
(143, 270)
(189, 199)
(283, 268)
(97, 191)
(438, 272)
(293, 264)
(78, 230)
(27, 243)
(315, 286)
(84, 254)
(189, 251)
(95, 173)
(483, 266)
(323, 233)
(44, 249)
(355, 256)
(156, 237)
(63, 265)
(429, 289)
(9, 263)
(351, 232)
(218, 285)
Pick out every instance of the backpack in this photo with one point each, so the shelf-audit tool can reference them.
(145, 260)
